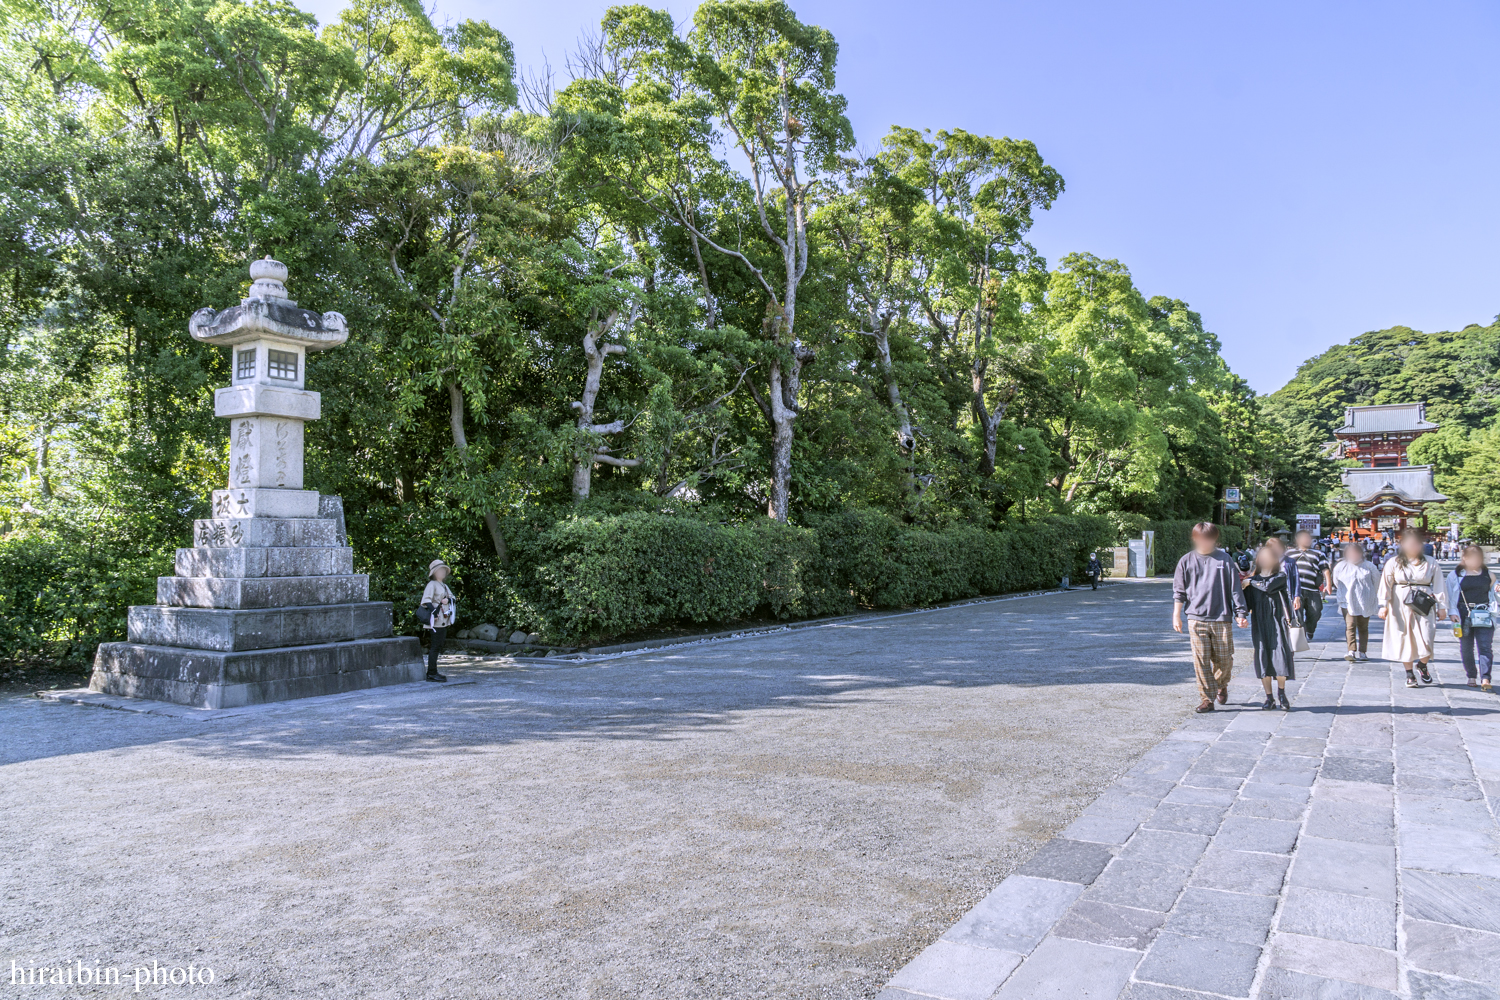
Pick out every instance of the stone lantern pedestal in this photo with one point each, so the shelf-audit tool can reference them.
(266, 605)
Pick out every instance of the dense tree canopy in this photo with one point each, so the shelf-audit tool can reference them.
(666, 283)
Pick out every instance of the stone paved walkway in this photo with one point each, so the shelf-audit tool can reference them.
(1347, 850)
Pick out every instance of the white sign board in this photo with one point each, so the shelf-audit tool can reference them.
(1310, 522)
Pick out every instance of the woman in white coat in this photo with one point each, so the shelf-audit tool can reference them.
(1411, 576)
(444, 607)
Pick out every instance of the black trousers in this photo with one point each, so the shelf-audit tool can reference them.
(434, 647)
(1312, 609)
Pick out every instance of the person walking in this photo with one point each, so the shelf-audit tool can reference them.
(1268, 592)
(1313, 579)
(1206, 589)
(1411, 597)
(1471, 590)
(1095, 570)
(439, 599)
(1356, 582)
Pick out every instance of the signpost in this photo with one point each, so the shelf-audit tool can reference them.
(1310, 522)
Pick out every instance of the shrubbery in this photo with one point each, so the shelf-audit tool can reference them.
(581, 575)
(589, 577)
(1175, 538)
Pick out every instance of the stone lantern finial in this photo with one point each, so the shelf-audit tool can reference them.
(268, 281)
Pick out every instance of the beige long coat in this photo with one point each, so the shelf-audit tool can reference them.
(1408, 635)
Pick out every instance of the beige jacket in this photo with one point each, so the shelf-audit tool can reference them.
(444, 604)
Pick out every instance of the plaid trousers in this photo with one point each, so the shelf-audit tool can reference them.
(1213, 655)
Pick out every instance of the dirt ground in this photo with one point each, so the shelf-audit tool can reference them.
(787, 816)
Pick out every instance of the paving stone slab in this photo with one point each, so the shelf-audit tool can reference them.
(1190, 795)
(1223, 967)
(1166, 847)
(954, 971)
(1283, 984)
(1241, 871)
(1339, 917)
(1455, 951)
(1110, 924)
(1075, 970)
(1285, 793)
(1357, 769)
(1425, 986)
(1153, 991)
(1268, 808)
(1466, 900)
(1351, 963)
(1016, 915)
(1339, 866)
(1183, 818)
(1252, 833)
(1068, 861)
(1448, 849)
(1142, 884)
(1331, 819)
(1112, 830)
(1226, 916)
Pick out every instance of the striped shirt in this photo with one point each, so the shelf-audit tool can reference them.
(1310, 567)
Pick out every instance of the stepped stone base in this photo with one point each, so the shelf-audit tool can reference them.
(229, 630)
(214, 679)
(261, 592)
(266, 561)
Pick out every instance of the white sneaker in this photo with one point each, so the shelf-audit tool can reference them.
(1349, 656)
(1363, 658)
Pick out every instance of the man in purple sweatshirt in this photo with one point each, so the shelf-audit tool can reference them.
(1206, 588)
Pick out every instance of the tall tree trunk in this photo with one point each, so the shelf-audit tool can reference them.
(43, 466)
(906, 439)
(590, 453)
(461, 443)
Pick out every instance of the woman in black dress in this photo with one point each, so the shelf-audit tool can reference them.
(1268, 593)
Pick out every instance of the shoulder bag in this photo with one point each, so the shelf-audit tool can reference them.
(1299, 639)
(1420, 601)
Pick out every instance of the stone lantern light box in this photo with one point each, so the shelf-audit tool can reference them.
(267, 404)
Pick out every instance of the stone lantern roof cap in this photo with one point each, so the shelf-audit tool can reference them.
(266, 313)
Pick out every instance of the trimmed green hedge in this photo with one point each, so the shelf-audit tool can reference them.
(1175, 538)
(594, 577)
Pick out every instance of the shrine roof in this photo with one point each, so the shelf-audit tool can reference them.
(1381, 419)
(1409, 483)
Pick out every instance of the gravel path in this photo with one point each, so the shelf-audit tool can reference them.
(787, 816)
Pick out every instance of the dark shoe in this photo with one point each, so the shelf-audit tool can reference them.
(437, 678)
(1411, 679)
(1473, 682)
(1426, 677)
(1284, 703)
(1207, 706)
(1269, 703)
(1223, 696)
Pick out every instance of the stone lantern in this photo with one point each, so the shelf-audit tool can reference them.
(265, 606)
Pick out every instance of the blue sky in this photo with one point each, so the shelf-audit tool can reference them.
(1299, 173)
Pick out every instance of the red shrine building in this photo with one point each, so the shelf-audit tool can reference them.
(1390, 492)
(1377, 436)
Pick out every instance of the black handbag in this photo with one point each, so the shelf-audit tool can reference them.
(1420, 601)
(424, 614)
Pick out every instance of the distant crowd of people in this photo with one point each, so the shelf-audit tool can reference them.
(1376, 550)
(1278, 593)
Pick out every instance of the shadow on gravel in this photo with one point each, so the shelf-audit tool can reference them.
(661, 694)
